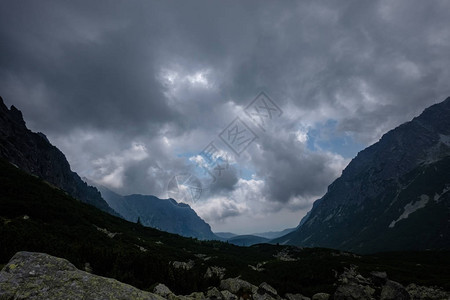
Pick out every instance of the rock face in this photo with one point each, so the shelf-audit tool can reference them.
(33, 153)
(41, 276)
(163, 214)
(394, 195)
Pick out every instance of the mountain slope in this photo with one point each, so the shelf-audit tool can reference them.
(163, 214)
(247, 240)
(33, 153)
(395, 195)
(274, 234)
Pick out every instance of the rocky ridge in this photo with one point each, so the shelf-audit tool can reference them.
(30, 275)
(163, 214)
(33, 153)
(393, 196)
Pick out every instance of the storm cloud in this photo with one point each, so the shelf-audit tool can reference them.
(132, 92)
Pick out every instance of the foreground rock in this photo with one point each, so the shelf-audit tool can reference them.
(378, 286)
(40, 276)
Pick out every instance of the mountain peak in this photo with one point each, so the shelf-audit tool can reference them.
(17, 115)
(13, 114)
(2, 105)
(33, 153)
(164, 214)
(394, 195)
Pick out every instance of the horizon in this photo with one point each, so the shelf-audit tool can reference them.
(256, 107)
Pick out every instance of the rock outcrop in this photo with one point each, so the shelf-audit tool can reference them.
(38, 276)
(33, 153)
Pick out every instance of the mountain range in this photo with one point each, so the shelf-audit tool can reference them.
(163, 214)
(33, 153)
(394, 195)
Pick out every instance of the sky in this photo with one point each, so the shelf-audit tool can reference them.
(245, 110)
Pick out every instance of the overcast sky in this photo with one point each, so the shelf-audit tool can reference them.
(133, 91)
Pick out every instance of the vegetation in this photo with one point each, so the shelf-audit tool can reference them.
(35, 216)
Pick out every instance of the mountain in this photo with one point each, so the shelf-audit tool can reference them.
(266, 235)
(33, 153)
(274, 234)
(164, 214)
(394, 195)
(247, 240)
(225, 235)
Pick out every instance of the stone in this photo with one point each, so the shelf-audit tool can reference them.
(378, 278)
(162, 290)
(213, 293)
(259, 296)
(197, 296)
(215, 271)
(266, 288)
(394, 291)
(227, 295)
(321, 296)
(354, 292)
(296, 297)
(37, 276)
(183, 265)
(429, 293)
(236, 285)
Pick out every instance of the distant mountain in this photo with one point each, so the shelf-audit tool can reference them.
(394, 195)
(225, 235)
(247, 240)
(267, 235)
(274, 234)
(163, 214)
(33, 153)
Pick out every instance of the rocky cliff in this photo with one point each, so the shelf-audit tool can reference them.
(395, 195)
(33, 153)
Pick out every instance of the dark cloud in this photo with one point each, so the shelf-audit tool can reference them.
(131, 90)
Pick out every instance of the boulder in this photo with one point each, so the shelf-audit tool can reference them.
(321, 296)
(258, 296)
(227, 295)
(378, 278)
(353, 292)
(429, 293)
(214, 294)
(265, 288)
(394, 291)
(215, 271)
(236, 285)
(296, 297)
(162, 290)
(197, 296)
(34, 276)
(183, 265)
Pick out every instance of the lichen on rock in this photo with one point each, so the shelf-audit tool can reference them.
(30, 275)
